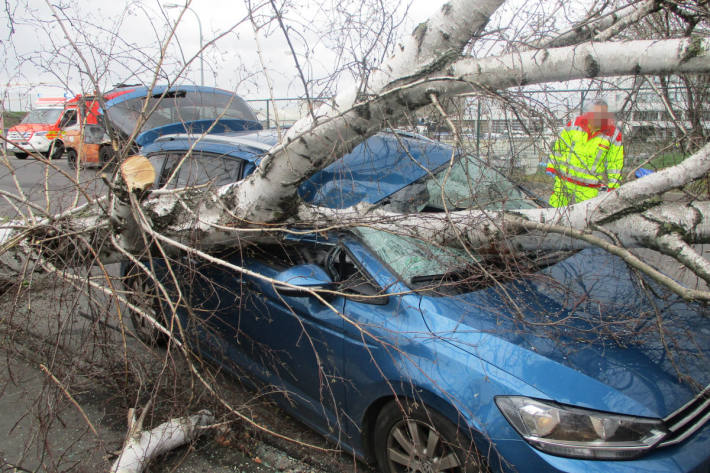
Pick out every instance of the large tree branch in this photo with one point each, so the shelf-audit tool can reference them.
(318, 139)
(486, 229)
(604, 26)
(314, 149)
(588, 60)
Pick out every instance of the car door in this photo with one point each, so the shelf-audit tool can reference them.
(381, 339)
(291, 341)
(295, 339)
(368, 352)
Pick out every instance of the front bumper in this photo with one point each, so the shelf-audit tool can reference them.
(37, 144)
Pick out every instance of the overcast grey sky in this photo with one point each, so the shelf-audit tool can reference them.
(120, 41)
(38, 60)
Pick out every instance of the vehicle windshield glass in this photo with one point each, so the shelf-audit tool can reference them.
(43, 115)
(467, 184)
(470, 184)
(179, 107)
(411, 258)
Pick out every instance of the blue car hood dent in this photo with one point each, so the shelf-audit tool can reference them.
(587, 333)
(374, 170)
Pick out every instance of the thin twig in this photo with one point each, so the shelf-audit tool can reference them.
(71, 399)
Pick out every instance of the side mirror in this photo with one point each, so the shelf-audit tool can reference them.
(306, 277)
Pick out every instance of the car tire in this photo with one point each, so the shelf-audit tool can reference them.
(21, 155)
(56, 150)
(71, 158)
(143, 294)
(107, 157)
(411, 437)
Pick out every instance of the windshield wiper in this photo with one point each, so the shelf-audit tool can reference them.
(426, 278)
(448, 277)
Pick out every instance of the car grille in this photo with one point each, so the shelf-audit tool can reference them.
(688, 419)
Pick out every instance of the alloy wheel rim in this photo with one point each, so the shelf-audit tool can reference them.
(416, 447)
(146, 301)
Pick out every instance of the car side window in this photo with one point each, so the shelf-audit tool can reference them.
(157, 160)
(200, 168)
(348, 277)
(69, 119)
(170, 161)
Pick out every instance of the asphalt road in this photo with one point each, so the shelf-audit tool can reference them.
(46, 314)
(47, 186)
(44, 427)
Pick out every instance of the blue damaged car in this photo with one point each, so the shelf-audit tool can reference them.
(424, 358)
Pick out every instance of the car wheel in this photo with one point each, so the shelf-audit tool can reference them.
(56, 150)
(106, 157)
(143, 294)
(419, 440)
(21, 155)
(71, 158)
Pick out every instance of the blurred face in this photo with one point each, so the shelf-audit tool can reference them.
(600, 116)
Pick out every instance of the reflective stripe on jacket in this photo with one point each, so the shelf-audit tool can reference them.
(585, 159)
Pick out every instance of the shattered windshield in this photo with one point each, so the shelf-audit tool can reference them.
(411, 258)
(466, 184)
(470, 184)
(178, 107)
(43, 115)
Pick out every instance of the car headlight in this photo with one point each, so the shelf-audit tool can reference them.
(570, 431)
(40, 133)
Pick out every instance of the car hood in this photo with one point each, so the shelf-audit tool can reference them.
(585, 331)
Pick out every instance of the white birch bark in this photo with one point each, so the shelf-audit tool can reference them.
(142, 447)
(602, 27)
(238, 211)
(484, 229)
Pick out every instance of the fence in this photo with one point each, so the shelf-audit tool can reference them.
(519, 126)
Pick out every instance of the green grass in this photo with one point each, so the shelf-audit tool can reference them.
(666, 160)
(11, 119)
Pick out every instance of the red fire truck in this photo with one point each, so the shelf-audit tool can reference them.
(84, 133)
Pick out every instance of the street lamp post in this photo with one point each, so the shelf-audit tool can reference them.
(199, 26)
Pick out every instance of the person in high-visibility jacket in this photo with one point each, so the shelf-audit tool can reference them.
(587, 158)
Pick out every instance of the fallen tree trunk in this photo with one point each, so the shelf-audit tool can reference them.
(264, 203)
(141, 447)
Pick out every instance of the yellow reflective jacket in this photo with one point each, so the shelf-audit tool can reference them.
(584, 162)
